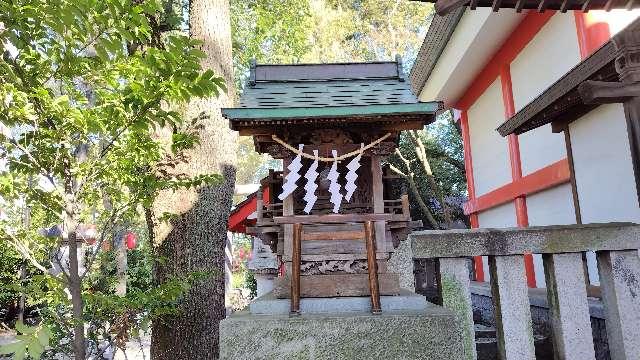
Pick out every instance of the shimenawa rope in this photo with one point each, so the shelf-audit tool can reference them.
(329, 159)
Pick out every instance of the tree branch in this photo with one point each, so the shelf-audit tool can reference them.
(414, 188)
(421, 152)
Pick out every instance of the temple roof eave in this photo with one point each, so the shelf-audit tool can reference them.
(242, 117)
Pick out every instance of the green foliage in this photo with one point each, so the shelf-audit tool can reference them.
(273, 31)
(367, 30)
(444, 151)
(251, 284)
(86, 89)
(31, 341)
(9, 264)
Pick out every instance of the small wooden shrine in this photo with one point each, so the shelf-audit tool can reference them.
(332, 218)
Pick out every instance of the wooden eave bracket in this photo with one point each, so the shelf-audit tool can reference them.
(604, 92)
(444, 7)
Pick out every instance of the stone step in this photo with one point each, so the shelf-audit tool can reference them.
(268, 304)
(484, 332)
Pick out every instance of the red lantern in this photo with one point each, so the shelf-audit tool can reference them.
(130, 240)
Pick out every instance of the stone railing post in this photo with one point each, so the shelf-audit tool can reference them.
(616, 245)
(620, 284)
(569, 309)
(511, 303)
(456, 296)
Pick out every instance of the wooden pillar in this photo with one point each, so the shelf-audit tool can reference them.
(295, 269)
(378, 201)
(287, 210)
(632, 113)
(372, 266)
(628, 66)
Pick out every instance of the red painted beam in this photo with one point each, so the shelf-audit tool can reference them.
(471, 188)
(238, 217)
(522, 216)
(545, 178)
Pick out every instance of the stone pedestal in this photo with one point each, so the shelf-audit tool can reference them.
(324, 333)
(264, 282)
(405, 301)
(264, 265)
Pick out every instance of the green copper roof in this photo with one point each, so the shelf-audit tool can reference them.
(334, 111)
(326, 91)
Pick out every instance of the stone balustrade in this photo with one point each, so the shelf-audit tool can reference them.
(616, 246)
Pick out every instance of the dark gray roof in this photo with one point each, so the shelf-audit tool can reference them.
(326, 85)
(432, 47)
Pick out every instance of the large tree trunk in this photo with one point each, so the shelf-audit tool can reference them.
(195, 241)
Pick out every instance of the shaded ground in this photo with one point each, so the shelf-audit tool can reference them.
(137, 349)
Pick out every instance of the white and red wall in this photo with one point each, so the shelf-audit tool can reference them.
(493, 66)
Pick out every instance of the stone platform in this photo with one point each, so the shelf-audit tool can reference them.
(432, 333)
(269, 305)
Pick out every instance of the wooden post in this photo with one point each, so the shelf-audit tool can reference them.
(295, 269)
(511, 307)
(632, 114)
(456, 296)
(620, 283)
(569, 309)
(378, 201)
(372, 266)
(287, 229)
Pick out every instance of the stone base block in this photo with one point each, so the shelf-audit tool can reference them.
(429, 334)
(270, 305)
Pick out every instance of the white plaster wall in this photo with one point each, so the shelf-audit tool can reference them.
(603, 167)
(502, 216)
(604, 172)
(478, 35)
(550, 207)
(489, 150)
(617, 19)
(551, 54)
(548, 56)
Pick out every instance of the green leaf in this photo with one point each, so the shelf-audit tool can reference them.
(24, 329)
(20, 354)
(13, 347)
(44, 335)
(35, 350)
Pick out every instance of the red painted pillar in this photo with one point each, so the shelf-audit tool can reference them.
(471, 188)
(522, 218)
(592, 33)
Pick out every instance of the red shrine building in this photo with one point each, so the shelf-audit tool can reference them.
(539, 148)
